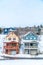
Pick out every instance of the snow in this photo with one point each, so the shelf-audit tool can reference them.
(21, 56)
(1, 42)
(28, 56)
(21, 62)
(41, 43)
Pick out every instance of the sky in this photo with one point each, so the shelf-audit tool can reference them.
(21, 13)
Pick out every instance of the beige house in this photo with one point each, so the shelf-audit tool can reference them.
(11, 44)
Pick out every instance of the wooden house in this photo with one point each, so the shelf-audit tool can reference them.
(11, 44)
(29, 43)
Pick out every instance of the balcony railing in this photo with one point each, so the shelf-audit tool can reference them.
(10, 47)
(31, 46)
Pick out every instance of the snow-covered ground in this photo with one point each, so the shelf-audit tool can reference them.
(21, 62)
(28, 56)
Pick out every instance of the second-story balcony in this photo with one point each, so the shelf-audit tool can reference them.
(11, 47)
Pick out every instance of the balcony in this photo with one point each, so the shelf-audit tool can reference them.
(33, 47)
(10, 47)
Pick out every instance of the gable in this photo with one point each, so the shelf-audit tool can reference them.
(12, 36)
(30, 36)
(12, 29)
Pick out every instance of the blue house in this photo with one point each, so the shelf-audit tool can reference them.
(7, 30)
(12, 29)
(29, 43)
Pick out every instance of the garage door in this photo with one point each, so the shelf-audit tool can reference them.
(13, 52)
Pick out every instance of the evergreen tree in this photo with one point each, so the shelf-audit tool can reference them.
(0, 30)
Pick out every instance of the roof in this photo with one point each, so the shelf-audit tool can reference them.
(7, 30)
(28, 33)
(30, 36)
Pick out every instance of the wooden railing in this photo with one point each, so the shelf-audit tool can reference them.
(10, 47)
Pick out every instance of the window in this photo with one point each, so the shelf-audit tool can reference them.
(31, 38)
(14, 38)
(31, 44)
(9, 38)
(5, 29)
(26, 44)
(34, 44)
(26, 37)
(35, 38)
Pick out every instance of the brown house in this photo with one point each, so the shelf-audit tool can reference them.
(11, 44)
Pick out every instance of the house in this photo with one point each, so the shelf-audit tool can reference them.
(29, 43)
(11, 29)
(7, 30)
(11, 44)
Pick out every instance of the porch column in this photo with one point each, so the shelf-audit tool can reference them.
(29, 47)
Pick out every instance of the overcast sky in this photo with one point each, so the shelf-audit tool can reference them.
(21, 13)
